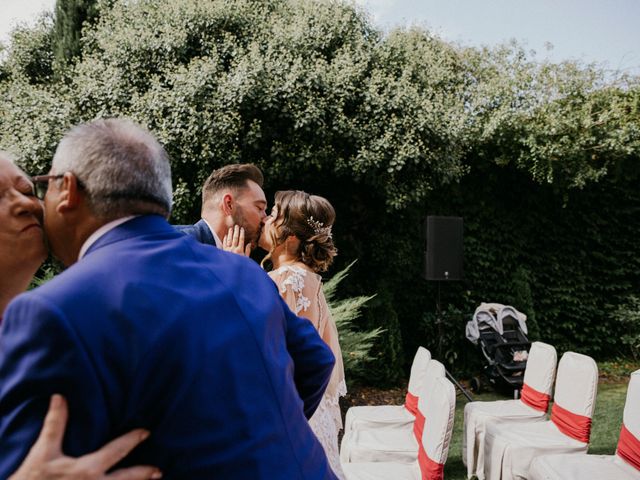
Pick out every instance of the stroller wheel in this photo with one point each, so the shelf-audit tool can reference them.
(476, 384)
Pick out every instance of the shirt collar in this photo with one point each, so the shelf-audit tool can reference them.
(215, 237)
(107, 227)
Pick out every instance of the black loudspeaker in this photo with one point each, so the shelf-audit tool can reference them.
(443, 260)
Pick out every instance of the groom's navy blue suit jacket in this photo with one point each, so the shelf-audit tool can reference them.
(200, 231)
(153, 329)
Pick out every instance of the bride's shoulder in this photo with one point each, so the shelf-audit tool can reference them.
(289, 271)
(295, 276)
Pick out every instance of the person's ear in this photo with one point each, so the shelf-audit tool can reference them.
(293, 241)
(227, 204)
(70, 195)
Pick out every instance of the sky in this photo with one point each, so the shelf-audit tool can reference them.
(602, 31)
(14, 11)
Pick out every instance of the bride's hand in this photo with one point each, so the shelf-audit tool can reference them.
(233, 241)
(46, 461)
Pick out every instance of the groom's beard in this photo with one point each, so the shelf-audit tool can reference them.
(251, 233)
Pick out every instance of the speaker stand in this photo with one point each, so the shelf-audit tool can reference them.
(439, 323)
(439, 320)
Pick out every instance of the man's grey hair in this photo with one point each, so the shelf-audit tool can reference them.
(121, 166)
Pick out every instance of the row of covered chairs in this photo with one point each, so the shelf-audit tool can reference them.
(409, 441)
(623, 465)
(513, 439)
(502, 440)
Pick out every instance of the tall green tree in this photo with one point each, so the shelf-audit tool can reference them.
(71, 16)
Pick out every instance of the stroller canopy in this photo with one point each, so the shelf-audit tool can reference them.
(492, 315)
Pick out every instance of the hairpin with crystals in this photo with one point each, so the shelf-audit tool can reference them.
(318, 227)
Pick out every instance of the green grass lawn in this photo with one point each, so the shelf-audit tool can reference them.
(604, 433)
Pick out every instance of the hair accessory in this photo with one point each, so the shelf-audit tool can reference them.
(318, 227)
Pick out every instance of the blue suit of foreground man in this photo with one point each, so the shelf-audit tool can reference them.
(148, 328)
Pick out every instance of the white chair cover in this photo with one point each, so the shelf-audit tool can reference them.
(595, 467)
(382, 471)
(395, 442)
(509, 449)
(375, 416)
(581, 467)
(439, 412)
(539, 375)
(439, 408)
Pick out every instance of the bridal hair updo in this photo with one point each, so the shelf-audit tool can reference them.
(310, 218)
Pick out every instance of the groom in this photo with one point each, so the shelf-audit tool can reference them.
(232, 197)
(149, 328)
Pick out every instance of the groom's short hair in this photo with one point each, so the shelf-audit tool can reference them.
(234, 176)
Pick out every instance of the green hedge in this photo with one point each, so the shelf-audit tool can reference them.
(541, 160)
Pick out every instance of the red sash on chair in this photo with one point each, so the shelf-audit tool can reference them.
(629, 447)
(429, 469)
(534, 398)
(411, 403)
(418, 426)
(571, 424)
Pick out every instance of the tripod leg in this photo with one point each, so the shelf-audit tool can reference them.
(460, 387)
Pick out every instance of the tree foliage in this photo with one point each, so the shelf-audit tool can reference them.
(355, 343)
(541, 159)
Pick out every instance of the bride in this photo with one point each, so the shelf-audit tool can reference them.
(297, 236)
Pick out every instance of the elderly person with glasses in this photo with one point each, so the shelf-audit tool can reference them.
(22, 250)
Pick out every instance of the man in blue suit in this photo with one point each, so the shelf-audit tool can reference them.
(232, 198)
(149, 328)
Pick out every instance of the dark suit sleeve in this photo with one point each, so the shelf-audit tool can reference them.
(38, 357)
(312, 359)
(200, 231)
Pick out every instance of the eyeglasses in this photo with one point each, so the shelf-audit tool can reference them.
(41, 184)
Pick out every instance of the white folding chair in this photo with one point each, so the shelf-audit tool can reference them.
(396, 442)
(375, 416)
(439, 405)
(531, 407)
(509, 448)
(624, 465)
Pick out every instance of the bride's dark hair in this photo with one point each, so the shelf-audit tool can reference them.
(310, 218)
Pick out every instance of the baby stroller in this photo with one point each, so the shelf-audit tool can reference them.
(500, 332)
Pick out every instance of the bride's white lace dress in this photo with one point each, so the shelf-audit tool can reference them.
(302, 290)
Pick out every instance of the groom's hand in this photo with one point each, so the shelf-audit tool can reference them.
(46, 461)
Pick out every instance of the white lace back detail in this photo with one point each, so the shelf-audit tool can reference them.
(295, 281)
